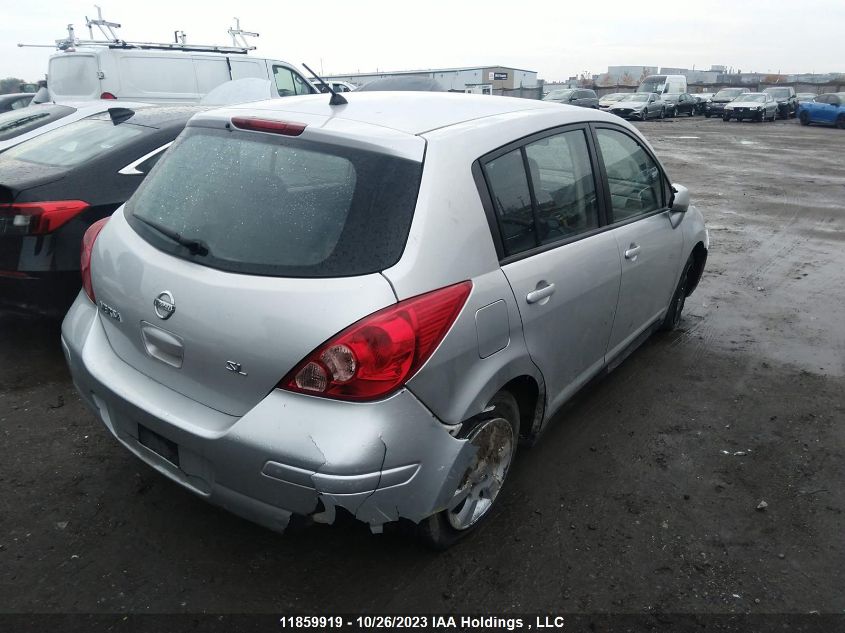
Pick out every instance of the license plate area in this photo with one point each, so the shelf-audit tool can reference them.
(159, 445)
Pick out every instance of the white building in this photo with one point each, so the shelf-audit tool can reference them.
(468, 78)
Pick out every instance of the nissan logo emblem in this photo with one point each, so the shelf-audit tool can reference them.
(164, 305)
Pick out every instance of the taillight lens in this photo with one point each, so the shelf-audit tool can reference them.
(287, 128)
(107, 95)
(85, 258)
(377, 355)
(38, 218)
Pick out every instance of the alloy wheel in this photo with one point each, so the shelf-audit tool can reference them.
(483, 479)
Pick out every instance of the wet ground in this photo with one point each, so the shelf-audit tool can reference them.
(641, 498)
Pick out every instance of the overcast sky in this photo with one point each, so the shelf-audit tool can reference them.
(557, 39)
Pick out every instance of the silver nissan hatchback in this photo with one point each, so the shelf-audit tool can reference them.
(309, 308)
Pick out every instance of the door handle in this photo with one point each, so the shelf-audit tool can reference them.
(541, 293)
(632, 252)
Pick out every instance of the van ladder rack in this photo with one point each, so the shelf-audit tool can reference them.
(240, 45)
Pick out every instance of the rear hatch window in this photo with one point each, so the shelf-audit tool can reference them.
(74, 76)
(261, 204)
(75, 143)
(25, 120)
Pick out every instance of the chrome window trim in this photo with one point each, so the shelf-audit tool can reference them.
(132, 168)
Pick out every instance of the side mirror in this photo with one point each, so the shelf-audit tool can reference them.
(680, 201)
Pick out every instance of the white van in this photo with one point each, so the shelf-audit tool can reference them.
(161, 76)
(664, 84)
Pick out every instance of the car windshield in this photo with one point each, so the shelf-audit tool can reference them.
(653, 85)
(75, 143)
(558, 95)
(726, 95)
(779, 93)
(271, 205)
(17, 122)
(614, 97)
(758, 98)
(636, 97)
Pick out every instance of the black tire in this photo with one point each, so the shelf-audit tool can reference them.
(438, 531)
(673, 315)
(804, 118)
(840, 121)
(707, 115)
(726, 117)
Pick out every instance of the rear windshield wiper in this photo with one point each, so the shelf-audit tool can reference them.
(196, 247)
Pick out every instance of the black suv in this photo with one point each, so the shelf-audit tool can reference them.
(715, 105)
(574, 96)
(787, 101)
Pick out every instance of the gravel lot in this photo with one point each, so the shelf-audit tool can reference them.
(641, 498)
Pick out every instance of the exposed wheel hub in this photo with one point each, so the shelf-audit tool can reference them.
(484, 476)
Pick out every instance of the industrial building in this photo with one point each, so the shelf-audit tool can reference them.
(481, 79)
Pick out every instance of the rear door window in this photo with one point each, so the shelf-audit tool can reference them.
(553, 201)
(281, 206)
(563, 184)
(74, 76)
(634, 179)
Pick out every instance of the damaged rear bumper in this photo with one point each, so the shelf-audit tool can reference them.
(291, 454)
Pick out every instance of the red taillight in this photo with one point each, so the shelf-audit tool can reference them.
(288, 128)
(85, 258)
(381, 352)
(38, 218)
(107, 95)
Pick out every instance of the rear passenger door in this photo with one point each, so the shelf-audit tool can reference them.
(547, 216)
(649, 247)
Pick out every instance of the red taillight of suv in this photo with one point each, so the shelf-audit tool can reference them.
(85, 258)
(38, 218)
(381, 352)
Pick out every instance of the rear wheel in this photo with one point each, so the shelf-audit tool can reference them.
(804, 118)
(840, 122)
(707, 115)
(495, 437)
(726, 117)
(673, 315)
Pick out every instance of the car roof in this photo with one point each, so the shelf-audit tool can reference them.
(159, 116)
(408, 112)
